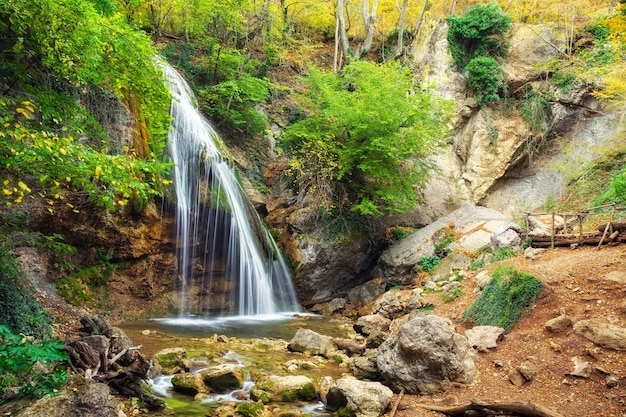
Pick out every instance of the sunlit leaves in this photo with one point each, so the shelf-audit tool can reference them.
(366, 139)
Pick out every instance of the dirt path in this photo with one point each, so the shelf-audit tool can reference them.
(583, 283)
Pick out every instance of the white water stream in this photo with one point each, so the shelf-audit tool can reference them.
(229, 265)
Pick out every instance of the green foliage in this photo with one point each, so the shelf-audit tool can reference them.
(428, 263)
(456, 293)
(81, 286)
(19, 310)
(364, 145)
(18, 357)
(486, 78)
(61, 163)
(616, 192)
(503, 253)
(535, 109)
(564, 80)
(503, 301)
(478, 263)
(76, 45)
(599, 32)
(480, 32)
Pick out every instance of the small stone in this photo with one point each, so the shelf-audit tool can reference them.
(558, 324)
(146, 332)
(528, 369)
(610, 381)
(516, 378)
(582, 368)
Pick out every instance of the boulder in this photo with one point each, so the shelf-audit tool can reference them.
(189, 384)
(558, 324)
(426, 356)
(606, 335)
(171, 360)
(367, 292)
(360, 398)
(79, 398)
(308, 341)
(506, 238)
(365, 367)
(371, 323)
(223, 377)
(484, 337)
(283, 388)
(389, 305)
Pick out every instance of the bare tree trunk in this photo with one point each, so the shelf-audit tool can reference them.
(369, 18)
(400, 46)
(341, 26)
(452, 6)
(336, 55)
(418, 25)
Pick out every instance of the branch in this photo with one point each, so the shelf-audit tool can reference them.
(521, 408)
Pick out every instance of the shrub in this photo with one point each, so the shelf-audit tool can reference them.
(428, 263)
(486, 78)
(18, 358)
(503, 301)
(616, 192)
(536, 111)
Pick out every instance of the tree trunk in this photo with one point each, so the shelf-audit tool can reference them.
(369, 18)
(341, 27)
(400, 45)
(418, 25)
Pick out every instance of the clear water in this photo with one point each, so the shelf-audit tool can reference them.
(229, 265)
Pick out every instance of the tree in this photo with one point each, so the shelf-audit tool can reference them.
(364, 145)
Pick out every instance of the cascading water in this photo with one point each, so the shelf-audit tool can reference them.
(229, 265)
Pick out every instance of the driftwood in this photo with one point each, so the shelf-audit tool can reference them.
(105, 354)
(487, 407)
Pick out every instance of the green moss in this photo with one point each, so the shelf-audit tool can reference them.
(250, 409)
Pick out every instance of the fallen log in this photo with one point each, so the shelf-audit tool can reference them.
(520, 408)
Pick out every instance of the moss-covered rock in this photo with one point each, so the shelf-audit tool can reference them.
(223, 377)
(189, 384)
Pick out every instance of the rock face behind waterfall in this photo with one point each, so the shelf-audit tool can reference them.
(426, 356)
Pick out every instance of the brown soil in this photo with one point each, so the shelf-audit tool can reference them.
(575, 284)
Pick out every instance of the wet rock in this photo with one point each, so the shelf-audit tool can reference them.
(224, 377)
(371, 323)
(360, 398)
(484, 337)
(426, 356)
(559, 324)
(189, 384)
(170, 360)
(606, 335)
(308, 341)
(283, 388)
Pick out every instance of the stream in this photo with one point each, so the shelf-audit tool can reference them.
(256, 344)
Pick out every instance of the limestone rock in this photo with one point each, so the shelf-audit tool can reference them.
(189, 384)
(283, 388)
(558, 324)
(365, 367)
(516, 377)
(506, 237)
(308, 341)
(367, 292)
(426, 356)
(360, 398)
(602, 334)
(529, 369)
(389, 305)
(223, 377)
(482, 279)
(484, 337)
(582, 368)
(370, 323)
(79, 398)
(170, 360)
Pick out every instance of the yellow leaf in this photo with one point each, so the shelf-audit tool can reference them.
(98, 171)
(7, 192)
(63, 151)
(23, 186)
(5, 182)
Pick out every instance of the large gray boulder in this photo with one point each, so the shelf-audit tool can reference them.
(360, 398)
(426, 356)
(308, 341)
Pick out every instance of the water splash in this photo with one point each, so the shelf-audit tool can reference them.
(228, 262)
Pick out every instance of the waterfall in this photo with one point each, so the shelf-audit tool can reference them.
(229, 265)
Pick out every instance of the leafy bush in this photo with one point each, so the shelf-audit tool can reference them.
(19, 356)
(564, 80)
(503, 301)
(503, 253)
(480, 32)
(428, 263)
(616, 192)
(536, 111)
(19, 310)
(363, 147)
(486, 78)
